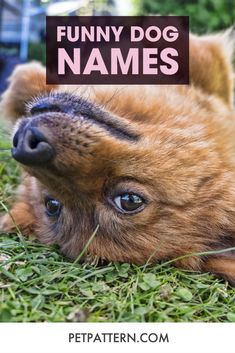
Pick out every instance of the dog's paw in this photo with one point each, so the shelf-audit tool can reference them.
(7, 224)
(19, 219)
(223, 265)
(26, 82)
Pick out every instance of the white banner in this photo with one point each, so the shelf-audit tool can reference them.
(116, 337)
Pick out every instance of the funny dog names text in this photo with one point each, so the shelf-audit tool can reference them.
(121, 50)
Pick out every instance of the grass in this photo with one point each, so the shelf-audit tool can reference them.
(38, 284)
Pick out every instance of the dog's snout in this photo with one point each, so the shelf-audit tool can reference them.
(30, 147)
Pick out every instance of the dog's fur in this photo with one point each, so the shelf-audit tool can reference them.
(173, 145)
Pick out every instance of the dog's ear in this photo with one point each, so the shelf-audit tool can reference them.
(26, 82)
(19, 218)
(222, 265)
(211, 59)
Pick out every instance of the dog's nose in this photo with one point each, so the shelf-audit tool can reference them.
(30, 147)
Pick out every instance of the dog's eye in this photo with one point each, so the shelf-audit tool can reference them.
(53, 207)
(129, 203)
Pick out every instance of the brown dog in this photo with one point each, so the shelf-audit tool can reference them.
(154, 167)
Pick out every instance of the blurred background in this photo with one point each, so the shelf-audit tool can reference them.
(22, 22)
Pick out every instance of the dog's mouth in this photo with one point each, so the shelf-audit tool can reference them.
(109, 125)
(79, 109)
(61, 120)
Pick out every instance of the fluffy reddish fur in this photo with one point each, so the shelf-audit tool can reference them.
(184, 164)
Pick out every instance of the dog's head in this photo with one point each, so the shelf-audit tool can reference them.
(150, 170)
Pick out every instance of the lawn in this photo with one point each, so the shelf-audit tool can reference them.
(38, 284)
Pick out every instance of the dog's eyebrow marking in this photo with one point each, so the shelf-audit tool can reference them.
(77, 106)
